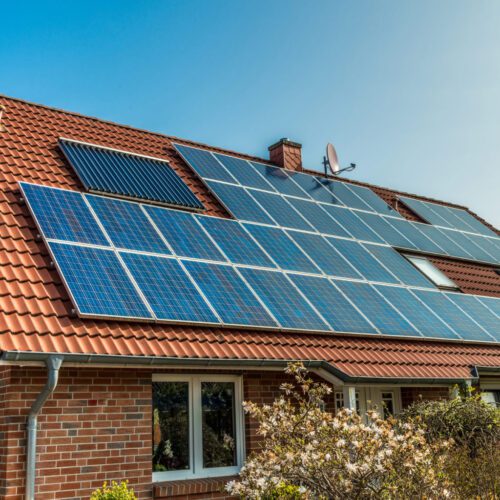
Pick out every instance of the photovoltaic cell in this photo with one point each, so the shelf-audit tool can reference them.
(280, 210)
(168, 289)
(452, 315)
(282, 249)
(127, 225)
(184, 234)
(127, 174)
(415, 311)
(244, 172)
(325, 256)
(487, 244)
(229, 295)
(447, 244)
(453, 217)
(280, 179)
(425, 211)
(283, 300)
(98, 282)
(493, 304)
(373, 200)
(204, 163)
(235, 242)
(411, 232)
(239, 203)
(317, 217)
(62, 214)
(376, 309)
(316, 187)
(476, 225)
(399, 266)
(332, 305)
(463, 240)
(362, 260)
(342, 192)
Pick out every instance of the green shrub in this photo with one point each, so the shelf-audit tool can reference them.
(114, 492)
(285, 492)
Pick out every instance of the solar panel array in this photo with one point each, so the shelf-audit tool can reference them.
(123, 259)
(255, 192)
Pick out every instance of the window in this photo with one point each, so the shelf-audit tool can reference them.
(491, 397)
(197, 426)
(426, 267)
(339, 401)
(387, 403)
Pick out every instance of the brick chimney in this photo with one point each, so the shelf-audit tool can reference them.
(287, 154)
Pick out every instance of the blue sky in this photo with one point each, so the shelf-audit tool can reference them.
(410, 91)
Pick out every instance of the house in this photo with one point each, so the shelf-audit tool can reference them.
(136, 313)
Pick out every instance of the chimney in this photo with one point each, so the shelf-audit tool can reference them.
(287, 154)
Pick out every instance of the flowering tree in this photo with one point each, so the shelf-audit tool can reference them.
(310, 453)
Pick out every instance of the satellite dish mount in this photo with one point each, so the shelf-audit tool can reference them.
(331, 162)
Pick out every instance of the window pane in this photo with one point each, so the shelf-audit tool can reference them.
(219, 439)
(170, 426)
(388, 404)
(431, 271)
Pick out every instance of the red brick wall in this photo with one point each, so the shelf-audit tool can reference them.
(411, 394)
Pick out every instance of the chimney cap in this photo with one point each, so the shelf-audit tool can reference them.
(284, 141)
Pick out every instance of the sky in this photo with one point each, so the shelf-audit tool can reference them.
(409, 91)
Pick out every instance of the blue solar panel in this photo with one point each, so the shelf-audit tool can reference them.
(280, 179)
(235, 242)
(204, 163)
(229, 295)
(362, 260)
(349, 221)
(476, 225)
(317, 188)
(283, 300)
(342, 192)
(488, 245)
(439, 237)
(463, 240)
(127, 225)
(373, 200)
(415, 311)
(184, 234)
(376, 309)
(387, 232)
(332, 305)
(62, 215)
(239, 203)
(317, 217)
(244, 172)
(282, 249)
(280, 210)
(168, 289)
(452, 216)
(399, 266)
(493, 304)
(425, 211)
(411, 232)
(452, 315)
(97, 282)
(128, 174)
(479, 312)
(325, 256)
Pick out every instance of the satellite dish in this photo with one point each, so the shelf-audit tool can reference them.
(331, 162)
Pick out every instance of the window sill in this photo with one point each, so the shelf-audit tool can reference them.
(183, 487)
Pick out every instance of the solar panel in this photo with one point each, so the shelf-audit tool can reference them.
(425, 211)
(168, 289)
(283, 300)
(239, 203)
(98, 283)
(452, 315)
(452, 216)
(347, 197)
(229, 295)
(439, 237)
(204, 164)
(282, 249)
(235, 242)
(415, 311)
(325, 256)
(244, 172)
(280, 179)
(353, 224)
(376, 309)
(493, 304)
(128, 174)
(476, 225)
(399, 266)
(127, 225)
(478, 311)
(362, 260)
(468, 245)
(184, 234)
(280, 210)
(317, 188)
(373, 200)
(424, 234)
(317, 217)
(332, 305)
(487, 244)
(62, 214)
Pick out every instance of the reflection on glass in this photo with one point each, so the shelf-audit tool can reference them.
(387, 404)
(219, 440)
(170, 426)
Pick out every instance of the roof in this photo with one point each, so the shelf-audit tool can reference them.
(36, 312)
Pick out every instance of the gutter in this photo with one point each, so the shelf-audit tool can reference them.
(53, 363)
(106, 360)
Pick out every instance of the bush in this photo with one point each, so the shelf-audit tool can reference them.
(319, 455)
(114, 492)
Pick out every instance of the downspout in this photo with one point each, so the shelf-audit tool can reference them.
(53, 364)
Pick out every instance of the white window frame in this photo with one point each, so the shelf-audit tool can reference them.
(434, 274)
(196, 469)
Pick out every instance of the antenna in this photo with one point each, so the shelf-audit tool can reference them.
(331, 162)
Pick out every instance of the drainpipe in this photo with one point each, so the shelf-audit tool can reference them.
(53, 364)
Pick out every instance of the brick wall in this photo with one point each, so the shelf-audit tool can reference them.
(411, 394)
